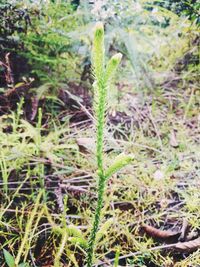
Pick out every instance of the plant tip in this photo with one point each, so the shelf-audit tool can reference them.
(115, 60)
(99, 29)
(118, 56)
(99, 26)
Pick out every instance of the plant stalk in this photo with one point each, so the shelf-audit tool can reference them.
(100, 171)
(102, 77)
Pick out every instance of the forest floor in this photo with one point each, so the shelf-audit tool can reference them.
(151, 211)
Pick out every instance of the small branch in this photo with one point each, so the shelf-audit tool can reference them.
(136, 254)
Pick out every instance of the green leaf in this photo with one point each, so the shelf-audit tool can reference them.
(121, 161)
(112, 66)
(9, 258)
(78, 241)
(23, 264)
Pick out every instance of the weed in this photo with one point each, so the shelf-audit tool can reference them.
(102, 76)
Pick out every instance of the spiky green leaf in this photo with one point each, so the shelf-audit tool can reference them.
(120, 161)
(112, 66)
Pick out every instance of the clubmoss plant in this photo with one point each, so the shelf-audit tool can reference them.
(102, 76)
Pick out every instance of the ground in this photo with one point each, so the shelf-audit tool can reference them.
(48, 174)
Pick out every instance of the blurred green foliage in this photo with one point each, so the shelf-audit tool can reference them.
(13, 20)
(47, 45)
(36, 34)
(189, 8)
(150, 35)
(53, 38)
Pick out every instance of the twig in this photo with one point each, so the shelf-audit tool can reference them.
(83, 107)
(136, 254)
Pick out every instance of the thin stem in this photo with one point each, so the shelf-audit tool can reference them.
(101, 184)
(102, 77)
(137, 253)
(96, 221)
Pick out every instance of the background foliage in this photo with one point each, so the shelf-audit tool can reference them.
(54, 38)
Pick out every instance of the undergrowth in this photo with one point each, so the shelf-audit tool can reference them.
(159, 188)
(48, 166)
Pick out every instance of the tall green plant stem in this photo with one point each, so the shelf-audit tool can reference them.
(101, 183)
(102, 76)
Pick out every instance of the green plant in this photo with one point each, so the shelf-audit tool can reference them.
(102, 75)
(14, 20)
(28, 234)
(188, 8)
(47, 45)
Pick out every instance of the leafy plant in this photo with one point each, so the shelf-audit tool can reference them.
(38, 36)
(48, 48)
(102, 75)
(14, 20)
(189, 8)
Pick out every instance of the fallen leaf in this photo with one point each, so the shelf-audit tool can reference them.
(86, 145)
(173, 140)
(157, 233)
(189, 245)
